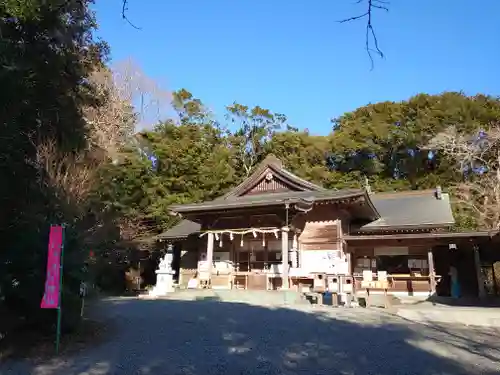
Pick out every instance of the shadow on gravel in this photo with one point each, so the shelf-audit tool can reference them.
(493, 302)
(169, 337)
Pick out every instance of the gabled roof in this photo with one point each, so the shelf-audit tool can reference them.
(271, 184)
(271, 164)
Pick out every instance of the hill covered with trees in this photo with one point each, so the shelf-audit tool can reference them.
(385, 143)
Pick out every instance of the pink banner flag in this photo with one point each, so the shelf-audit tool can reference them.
(51, 296)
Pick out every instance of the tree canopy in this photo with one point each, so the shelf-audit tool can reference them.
(47, 52)
(386, 143)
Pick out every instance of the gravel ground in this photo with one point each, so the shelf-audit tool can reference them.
(210, 337)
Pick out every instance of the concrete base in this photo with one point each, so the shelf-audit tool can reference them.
(413, 295)
(253, 297)
(164, 284)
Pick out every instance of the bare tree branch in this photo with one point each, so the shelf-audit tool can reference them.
(69, 177)
(354, 18)
(111, 123)
(370, 38)
(370, 31)
(124, 14)
(151, 100)
(479, 155)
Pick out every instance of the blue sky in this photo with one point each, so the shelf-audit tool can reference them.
(294, 58)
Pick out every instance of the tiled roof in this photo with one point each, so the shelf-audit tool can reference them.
(181, 230)
(398, 210)
(413, 208)
(257, 200)
(401, 210)
(298, 190)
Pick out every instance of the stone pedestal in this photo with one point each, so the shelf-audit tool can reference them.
(164, 276)
(164, 283)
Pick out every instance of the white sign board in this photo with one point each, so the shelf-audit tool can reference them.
(328, 261)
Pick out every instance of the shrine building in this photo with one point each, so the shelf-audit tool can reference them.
(278, 231)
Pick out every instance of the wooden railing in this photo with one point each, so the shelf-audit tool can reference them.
(407, 283)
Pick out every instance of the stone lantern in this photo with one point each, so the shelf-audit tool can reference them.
(164, 275)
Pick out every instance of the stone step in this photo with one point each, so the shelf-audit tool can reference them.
(259, 297)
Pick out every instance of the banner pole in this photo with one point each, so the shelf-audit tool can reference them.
(59, 310)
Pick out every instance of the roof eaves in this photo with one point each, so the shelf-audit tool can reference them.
(221, 205)
(181, 230)
(370, 203)
(304, 182)
(266, 201)
(422, 235)
(174, 237)
(376, 228)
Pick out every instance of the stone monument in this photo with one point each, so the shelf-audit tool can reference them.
(164, 275)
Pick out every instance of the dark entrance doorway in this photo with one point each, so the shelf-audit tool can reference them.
(462, 258)
(176, 261)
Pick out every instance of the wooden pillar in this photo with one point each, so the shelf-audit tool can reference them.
(210, 252)
(348, 259)
(284, 258)
(481, 291)
(432, 272)
(295, 252)
(299, 250)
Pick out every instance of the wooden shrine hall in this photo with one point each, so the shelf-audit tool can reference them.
(278, 231)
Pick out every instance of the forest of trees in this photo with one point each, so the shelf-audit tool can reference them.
(68, 154)
(388, 144)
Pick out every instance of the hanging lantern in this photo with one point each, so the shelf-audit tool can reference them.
(241, 242)
(216, 236)
(263, 240)
(254, 234)
(276, 234)
(231, 236)
(220, 242)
